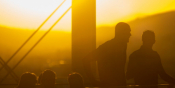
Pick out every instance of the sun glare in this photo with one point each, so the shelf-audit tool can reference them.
(36, 11)
(29, 14)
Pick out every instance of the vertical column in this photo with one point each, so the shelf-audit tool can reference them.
(83, 31)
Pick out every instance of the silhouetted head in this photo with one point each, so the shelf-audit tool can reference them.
(75, 80)
(47, 79)
(122, 32)
(148, 38)
(28, 80)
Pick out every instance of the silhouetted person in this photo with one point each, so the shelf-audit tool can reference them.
(47, 79)
(75, 80)
(28, 80)
(145, 64)
(111, 58)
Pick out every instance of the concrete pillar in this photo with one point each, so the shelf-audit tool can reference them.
(83, 31)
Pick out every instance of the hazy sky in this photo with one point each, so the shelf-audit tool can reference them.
(29, 14)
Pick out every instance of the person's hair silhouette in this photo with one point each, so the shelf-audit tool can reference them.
(75, 80)
(148, 38)
(28, 80)
(47, 79)
(111, 58)
(145, 64)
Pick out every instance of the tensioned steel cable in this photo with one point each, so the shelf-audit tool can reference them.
(31, 35)
(36, 43)
(8, 69)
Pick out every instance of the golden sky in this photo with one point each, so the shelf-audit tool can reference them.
(29, 14)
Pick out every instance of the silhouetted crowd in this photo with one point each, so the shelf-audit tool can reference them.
(144, 65)
(47, 80)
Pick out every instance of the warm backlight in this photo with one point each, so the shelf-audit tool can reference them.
(29, 14)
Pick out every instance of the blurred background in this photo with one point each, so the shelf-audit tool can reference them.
(20, 18)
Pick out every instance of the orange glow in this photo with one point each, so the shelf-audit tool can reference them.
(109, 12)
(20, 18)
(29, 14)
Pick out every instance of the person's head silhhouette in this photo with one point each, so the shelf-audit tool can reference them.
(47, 79)
(122, 32)
(28, 80)
(75, 80)
(148, 38)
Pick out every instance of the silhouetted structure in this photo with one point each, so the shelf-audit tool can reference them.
(47, 79)
(28, 80)
(75, 80)
(145, 64)
(111, 58)
(83, 32)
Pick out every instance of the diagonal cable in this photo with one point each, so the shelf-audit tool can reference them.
(31, 36)
(36, 44)
(8, 69)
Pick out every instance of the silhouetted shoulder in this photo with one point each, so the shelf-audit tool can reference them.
(156, 53)
(107, 44)
(135, 53)
(106, 49)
